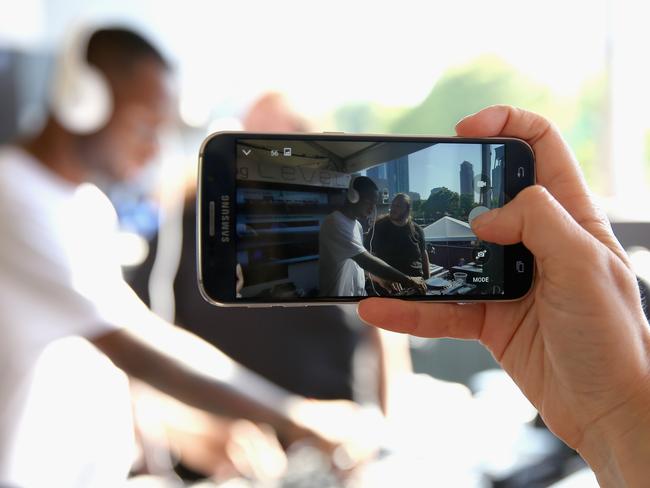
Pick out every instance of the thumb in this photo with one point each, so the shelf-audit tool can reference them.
(535, 218)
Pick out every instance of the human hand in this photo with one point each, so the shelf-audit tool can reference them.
(418, 283)
(578, 344)
(226, 448)
(389, 286)
(344, 429)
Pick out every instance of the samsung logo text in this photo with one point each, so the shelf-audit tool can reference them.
(225, 218)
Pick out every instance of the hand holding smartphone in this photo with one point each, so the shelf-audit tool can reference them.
(309, 218)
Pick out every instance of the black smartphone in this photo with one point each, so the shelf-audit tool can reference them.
(302, 219)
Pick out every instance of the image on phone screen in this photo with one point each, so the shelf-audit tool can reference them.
(334, 219)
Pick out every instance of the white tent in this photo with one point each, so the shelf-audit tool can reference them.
(448, 229)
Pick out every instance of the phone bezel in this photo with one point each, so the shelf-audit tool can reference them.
(216, 250)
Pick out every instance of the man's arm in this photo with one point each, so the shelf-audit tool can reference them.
(383, 270)
(184, 366)
(426, 273)
(394, 362)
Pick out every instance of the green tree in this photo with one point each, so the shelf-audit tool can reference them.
(417, 211)
(466, 205)
(441, 202)
(486, 81)
(366, 117)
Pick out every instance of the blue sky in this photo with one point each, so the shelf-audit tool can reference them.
(439, 165)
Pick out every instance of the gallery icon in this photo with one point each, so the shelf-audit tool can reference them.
(287, 151)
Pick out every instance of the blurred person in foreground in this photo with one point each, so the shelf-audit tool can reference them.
(308, 351)
(578, 345)
(59, 277)
(399, 241)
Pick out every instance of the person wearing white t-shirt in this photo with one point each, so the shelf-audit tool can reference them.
(63, 422)
(343, 257)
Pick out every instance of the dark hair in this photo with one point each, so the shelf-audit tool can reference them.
(364, 185)
(119, 49)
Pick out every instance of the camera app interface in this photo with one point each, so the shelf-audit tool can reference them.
(332, 219)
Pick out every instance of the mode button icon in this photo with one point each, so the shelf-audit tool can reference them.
(520, 267)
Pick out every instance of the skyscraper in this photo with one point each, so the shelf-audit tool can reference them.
(497, 176)
(392, 176)
(398, 175)
(378, 174)
(486, 190)
(466, 178)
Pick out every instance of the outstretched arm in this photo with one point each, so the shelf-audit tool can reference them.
(189, 369)
(374, 265)
(426, 273)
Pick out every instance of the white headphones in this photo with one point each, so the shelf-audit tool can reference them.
(81, 98)
(353, 194)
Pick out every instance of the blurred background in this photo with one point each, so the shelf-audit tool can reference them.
(407, 67)
(403, 67)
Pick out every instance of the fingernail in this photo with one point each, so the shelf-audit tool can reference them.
(484, 219)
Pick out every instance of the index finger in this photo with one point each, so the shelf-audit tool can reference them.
(557, 169)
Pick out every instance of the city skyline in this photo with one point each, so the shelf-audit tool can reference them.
(454, 166)
(425, 170)
(439, 166)
(393, 176)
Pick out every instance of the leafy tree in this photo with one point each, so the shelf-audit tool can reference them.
(417, 211)
(486, 81)
(466, 205)
(440, 203)
(366, 117)
(489, 80)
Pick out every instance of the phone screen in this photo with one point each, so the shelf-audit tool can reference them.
(332, 219)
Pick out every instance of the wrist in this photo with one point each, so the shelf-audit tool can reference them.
(407, 280)
(617, 446)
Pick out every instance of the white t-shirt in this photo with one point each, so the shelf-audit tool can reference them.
(339, 240)
(59, 278)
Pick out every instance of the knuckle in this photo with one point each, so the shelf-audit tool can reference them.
(621, 275)
(535, 196)
(539, 127)
(532, 125)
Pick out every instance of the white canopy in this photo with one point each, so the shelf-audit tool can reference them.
(448, 229)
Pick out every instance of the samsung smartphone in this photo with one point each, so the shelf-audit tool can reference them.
(283, 219)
